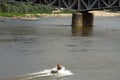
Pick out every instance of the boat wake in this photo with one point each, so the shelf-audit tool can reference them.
(55, 73)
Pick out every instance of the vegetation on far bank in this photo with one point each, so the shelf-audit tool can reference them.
(21, 9)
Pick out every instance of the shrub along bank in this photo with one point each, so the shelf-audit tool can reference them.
(20, 9)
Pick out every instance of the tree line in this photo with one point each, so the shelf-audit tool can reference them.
(24, 8)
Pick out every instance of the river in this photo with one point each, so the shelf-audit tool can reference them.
(28, 46)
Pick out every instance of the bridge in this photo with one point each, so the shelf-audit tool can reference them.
(82, 5)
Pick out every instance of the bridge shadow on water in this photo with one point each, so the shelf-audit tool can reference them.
(82, 31)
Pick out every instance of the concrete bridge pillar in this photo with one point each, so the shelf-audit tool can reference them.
(81, 20)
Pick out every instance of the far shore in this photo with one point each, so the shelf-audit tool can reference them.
(37, 16)
(105, 13)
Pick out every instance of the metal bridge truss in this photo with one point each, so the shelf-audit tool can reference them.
(82, 5)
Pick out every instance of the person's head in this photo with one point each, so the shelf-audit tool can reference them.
(59, 66)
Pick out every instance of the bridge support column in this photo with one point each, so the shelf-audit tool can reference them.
(81, 20)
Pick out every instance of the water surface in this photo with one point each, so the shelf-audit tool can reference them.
(28, 46)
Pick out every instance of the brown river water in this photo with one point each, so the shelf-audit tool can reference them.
(28, 46)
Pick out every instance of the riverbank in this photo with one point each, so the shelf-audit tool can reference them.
(105, 13)
(37, 16)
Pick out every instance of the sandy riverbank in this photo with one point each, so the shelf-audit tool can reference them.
(96, 13)
(105, 13)
(37, 16)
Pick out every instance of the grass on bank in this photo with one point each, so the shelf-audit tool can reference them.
(11, 15)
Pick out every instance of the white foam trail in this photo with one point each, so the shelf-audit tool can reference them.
(47, 73)
(33, 77)
(39, 73)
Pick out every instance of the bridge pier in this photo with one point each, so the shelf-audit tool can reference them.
(81, 20)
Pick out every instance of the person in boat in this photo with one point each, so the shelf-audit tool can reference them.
(59, 67)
